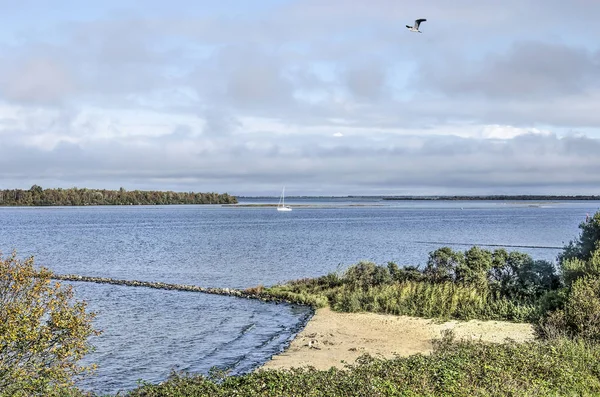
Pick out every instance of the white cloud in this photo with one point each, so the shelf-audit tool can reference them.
(508, 132)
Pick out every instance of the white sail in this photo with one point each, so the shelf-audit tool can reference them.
(281, 206)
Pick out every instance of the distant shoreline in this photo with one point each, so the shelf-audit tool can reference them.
(499, 198)
(303, 205)
(443, 198)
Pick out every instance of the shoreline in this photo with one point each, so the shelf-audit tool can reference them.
(333, 339)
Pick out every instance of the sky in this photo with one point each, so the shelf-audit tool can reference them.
(324, 97)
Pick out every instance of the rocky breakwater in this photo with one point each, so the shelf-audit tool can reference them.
(250, 293)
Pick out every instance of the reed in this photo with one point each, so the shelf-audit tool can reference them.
(423, 299)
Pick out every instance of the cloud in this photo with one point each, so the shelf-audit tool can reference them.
(528, 71)
(254, 162)
(219, 123)
(508, 132)
(243, 98)
(366, 81)
(36, 80)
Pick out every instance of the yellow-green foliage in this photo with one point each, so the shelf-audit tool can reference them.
(574, 268)
(303, 298)
(43, 332)
(580, 315)
(432, 300)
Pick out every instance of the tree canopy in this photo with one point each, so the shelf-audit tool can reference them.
(37, 196)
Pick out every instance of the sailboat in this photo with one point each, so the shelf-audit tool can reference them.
(281, 206)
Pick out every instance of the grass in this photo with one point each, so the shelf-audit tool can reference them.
(422, 299)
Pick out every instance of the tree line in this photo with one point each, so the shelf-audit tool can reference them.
(37, 196)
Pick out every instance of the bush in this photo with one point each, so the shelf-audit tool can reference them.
(580, 316)
(579, 313)
(407, 273)
(367, 274)
(43, 332)
(574, 267)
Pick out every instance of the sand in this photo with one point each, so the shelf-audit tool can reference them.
(332, 339)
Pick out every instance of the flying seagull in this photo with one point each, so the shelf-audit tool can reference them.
(416, 27)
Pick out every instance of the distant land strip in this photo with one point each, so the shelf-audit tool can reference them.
(489, 245)
(441, 198)
(498, 197)
(250, 293)
(37, 196)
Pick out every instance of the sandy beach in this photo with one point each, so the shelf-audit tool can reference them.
(332, 339)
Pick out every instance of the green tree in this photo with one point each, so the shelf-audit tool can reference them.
(43, 331)
(474, 269)
(587, 243)
(407, 273)
(442, 264)
(367, 274)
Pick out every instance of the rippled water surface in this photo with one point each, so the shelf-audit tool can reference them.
(148, 333)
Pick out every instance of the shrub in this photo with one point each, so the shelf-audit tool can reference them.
(407, 273)
(574, 267)
(579, 313)
(516, 275)
(43, 332)
(580, 316)
(366, 274)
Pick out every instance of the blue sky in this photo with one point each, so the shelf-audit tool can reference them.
(325, 97)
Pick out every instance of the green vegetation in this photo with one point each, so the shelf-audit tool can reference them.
(577, 307)
(43, 332)
(475, 284)
(74, 196)
(563, 302)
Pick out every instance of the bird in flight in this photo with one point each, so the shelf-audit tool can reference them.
(416, 27)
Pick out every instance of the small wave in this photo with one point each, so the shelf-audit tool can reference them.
(488, 245)
(248, 327)
(272, 338)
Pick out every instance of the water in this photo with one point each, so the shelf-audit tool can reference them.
(148, 333)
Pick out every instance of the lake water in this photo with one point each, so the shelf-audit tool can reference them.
(147, 333)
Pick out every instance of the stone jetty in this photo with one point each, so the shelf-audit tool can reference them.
(250, 293)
